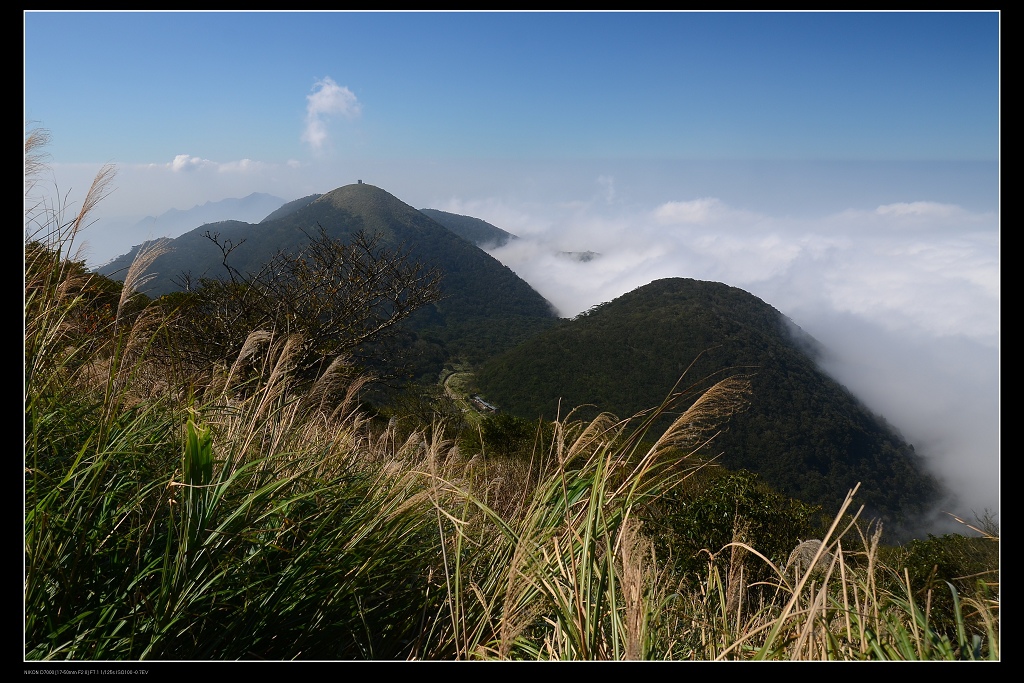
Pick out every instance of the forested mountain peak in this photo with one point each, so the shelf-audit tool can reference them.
(803, 431)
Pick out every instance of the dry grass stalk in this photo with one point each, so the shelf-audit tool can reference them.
(735, 585)
(253, 342)
(138, 274)
(101, 187)
(637, 566)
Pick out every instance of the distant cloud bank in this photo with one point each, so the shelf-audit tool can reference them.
(184, 163)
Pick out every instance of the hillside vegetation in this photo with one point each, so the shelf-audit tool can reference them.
(804, 433)
(235, 509)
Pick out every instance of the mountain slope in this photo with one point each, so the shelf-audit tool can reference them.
(486, 308)
(803, 432)
(290, 207)
(479, 232)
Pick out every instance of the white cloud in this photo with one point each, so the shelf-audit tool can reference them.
(184, 162)
(739, 259)
(327, 99)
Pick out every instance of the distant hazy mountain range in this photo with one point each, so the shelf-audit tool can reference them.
(174, 222)
(103, 245)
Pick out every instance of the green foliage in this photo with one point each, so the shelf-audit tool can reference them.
(506, 435)
(942, 566)
(416, 408)
(904, 629)
(951, 557)
(267, 558)
(705, 512)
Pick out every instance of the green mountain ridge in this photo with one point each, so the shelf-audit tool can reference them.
(807, 435)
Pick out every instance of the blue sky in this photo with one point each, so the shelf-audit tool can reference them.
(844, 167)
(140, 87)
